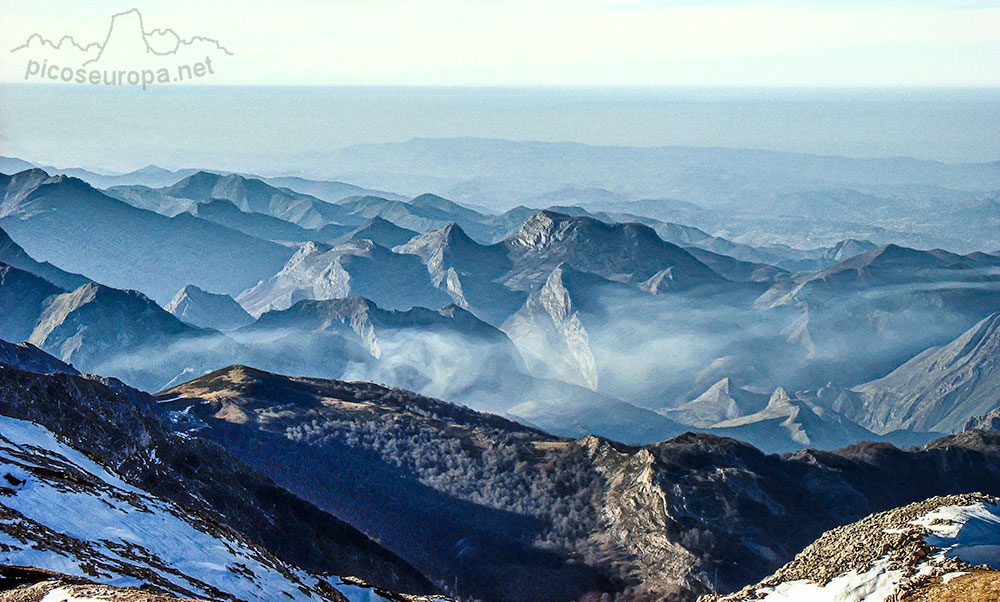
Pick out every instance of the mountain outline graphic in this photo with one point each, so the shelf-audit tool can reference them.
(178, 41)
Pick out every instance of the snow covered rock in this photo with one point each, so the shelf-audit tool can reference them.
(889, 554)
(62, 511)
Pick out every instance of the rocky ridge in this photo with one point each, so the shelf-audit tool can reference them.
(693, 514)
(898, 551)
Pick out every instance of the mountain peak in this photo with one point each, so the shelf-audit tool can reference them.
(720, 402)
(28, 181)
(152, 170)
(378, 220)
(779, 398)
(438, 204)
(721, 386)
(985, 335)
(544, 228)
(119, 320)
(892, 253)
(207, 310)
(554, 295)
(198, 185)
(202, 175)
(313, 246)
(450, 237)
(890, 259)
(93, 291)
(380, 231)
(663, 278)
(192, 290)
(454, 233)
(849, 247)
(34, 173)
(432, 200)
(629, 253)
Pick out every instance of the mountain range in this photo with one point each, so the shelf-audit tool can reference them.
(235, 387)
(506, 534)
(746, 195)
(355, 268)
(646, 325)
(75, 226)
(107, 330)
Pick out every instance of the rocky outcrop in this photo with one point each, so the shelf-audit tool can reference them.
(889, 555)
(25, 584)
(989, 421)
(550, 331)
(722, 401)
(628, 252)
(470, 273)
(356, 268)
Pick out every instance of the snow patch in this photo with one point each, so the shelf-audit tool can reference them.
(874, 585)
(61, 595)
(970, 533)
(69, 514)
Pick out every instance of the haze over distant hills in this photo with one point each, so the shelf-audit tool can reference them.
(750, 195)
(555, 402)
(645, 314)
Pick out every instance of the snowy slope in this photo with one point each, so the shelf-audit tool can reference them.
(889, 553)
(63, 512)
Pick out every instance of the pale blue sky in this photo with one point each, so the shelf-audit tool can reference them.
(559, 42)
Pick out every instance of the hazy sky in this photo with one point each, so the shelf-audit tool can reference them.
(796, 52)
(560, 42)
